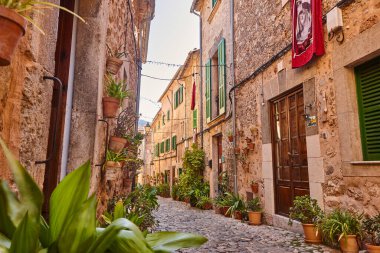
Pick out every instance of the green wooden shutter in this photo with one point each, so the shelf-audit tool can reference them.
(168, 115)
(174, 142)
(180, 94)
(195, 119)
(162, 149)
(214, 2)
(208, 91)
(222, 76)
(368, 90)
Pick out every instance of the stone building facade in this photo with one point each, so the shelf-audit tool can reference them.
(337, 174)
(175, 126)
(75, 52)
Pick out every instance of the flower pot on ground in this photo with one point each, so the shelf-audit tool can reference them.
(255, 187)
(116, 144)
(371, 227)
(12, 29)
(254, 211)
(236, 204)
(238, 215)
(349, 244)
(342, 228)
(224, 211)
(307, 211)
(204, 203)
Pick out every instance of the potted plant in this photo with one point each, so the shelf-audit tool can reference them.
(307, 211)
(254, 186)
(371, 228)
(113, 165)
(115, 94)
(14, 15)
(342, 227)
(223, 203)
(114, 62)
(254, 211)
(230, 136)
(204, 203)
(237, 206)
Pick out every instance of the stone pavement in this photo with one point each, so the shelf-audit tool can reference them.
(229, 235)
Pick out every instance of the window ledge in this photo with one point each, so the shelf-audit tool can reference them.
(361, 169)
(214, 10)
(367, 163)
(216, 120)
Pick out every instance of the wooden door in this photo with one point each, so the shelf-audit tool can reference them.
(289, 150)
(62, 66)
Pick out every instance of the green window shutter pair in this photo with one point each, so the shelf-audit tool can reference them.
(208, 90)
(180, 94)
(167, 149)
(174, 142)
(368, 92)
(222, 76)
(175, 100)
(195, 119)
(214, 2)
(163, 120)
(162, 148)
(168, 115)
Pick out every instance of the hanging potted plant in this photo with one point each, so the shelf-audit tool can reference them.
(371, 227)
(123, 135)
(14, 15)
(230, 136)
(114, 62)
(113, 165)
(115, 94)
(254, 186)
(307, 211)
(254, 211)
(342, 227)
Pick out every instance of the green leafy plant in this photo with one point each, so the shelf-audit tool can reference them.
(115, 157)
(72, 221)
(339, 224)
(175, 191)
(305, 210)
(235, 202)
(371, 227)
(116, 89)
(194, 160)
(204, 202)
(24, 7)
(117, 53)
(163, 190)
(254, 205)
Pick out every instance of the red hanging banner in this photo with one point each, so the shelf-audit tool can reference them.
(307, 31)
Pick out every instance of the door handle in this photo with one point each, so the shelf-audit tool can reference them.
(60, 86)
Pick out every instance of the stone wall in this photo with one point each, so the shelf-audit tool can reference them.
(25, 98)
(258, 38)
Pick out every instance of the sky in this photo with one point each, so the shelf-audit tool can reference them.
(174, 32)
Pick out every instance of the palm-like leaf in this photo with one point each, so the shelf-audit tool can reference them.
(166, 242)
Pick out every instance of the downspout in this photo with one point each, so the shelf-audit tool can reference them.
(200, 75)
(234, 165)
(69, 102)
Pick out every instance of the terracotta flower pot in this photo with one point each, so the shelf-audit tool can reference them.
(255, 187)
(110, 107)
(217, 210)
(112, 169)
(117, 144)
(207, 206)
(230, 138)
(372, 248)
(224, 210)
(187, 200)
(311, 235)
(349, 244)
(113, 65)
(238, 215)
(254, 218)
(12, 29)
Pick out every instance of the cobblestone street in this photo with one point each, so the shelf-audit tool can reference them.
(229, 235)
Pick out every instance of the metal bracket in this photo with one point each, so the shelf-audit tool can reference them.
(106, 146)
(59, 82)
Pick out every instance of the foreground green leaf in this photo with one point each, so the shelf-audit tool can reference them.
(25, 238)
(5, 243)
(68, 198)
(6, 225)
(167, 242)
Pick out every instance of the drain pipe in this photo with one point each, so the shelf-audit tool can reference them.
(69, 102)
(200, 75)
(234, 162)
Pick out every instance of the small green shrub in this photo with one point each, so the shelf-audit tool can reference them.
(254, 205)
(163, 190)
(236, 203)
(305, 210)
(116, 89)
(371, 227)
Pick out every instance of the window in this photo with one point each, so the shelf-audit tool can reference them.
(214, 2)
(163, 120)
(168, 115)
(162, 147)
(174, 142)
(368, 90)
(216, 83)
(179, 171)
(158, 124)
(178, 97)
(167, 145)
(157, 150)
(195, 119)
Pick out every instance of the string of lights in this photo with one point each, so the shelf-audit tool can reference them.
(167, 79)
(181, 65)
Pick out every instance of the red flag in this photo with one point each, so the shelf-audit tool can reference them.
(307, 31)
(193, 97)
